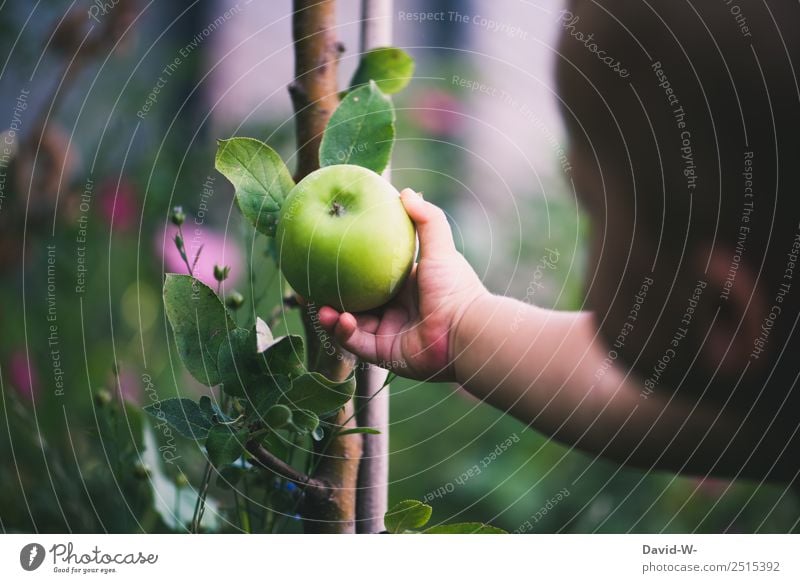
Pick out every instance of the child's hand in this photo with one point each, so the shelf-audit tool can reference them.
(413, 334)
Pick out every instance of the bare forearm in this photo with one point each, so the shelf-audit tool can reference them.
(547, 368)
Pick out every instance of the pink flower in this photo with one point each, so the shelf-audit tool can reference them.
(215, 249)
(119, 204)
(713, 487)
(23, 377)
(129, 386)
(437, 112)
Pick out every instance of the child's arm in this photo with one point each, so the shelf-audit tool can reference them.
(540, 365)
(548, 372)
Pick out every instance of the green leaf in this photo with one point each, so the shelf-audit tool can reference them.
(391, 69)
(360, 131)
(200, 323)
(225, 445)
(131, 425)
(285, 355)
(239, 365)
(305, 421)
(206, 406)
(262, 396)
(184, 415)
(229, 476)
(464, 528)
(277, 445)
(278, 416)
(260, 178)
(406, 515)
(366, 430)
(318, 394)
(212, 410)
(248, 359)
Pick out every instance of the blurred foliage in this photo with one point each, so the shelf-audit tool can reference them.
(80, 461)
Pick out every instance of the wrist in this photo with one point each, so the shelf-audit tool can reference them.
(464, 331)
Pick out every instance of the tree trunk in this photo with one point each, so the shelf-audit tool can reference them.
(373, 474)
(314, 91)
(315, 96)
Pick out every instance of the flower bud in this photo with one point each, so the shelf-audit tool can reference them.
(235, 300)
(178, 216)
(141, 471)
(102, 397)
(221, 273)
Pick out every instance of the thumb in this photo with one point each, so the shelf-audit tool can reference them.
(435, 236)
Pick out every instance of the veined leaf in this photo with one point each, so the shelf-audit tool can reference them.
(183, 415)
(390, 67)
(260, 178)
(225, 445)
(200, 323)
(464, 528)
(406, 515)
(314, 392)
(361, 130)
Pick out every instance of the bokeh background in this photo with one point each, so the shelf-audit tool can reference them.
(105, 131)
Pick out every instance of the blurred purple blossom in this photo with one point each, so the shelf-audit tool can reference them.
(129, 387)
(437, 112)
(22, 377)
(119, 204)
(217, 249)
(710, 486)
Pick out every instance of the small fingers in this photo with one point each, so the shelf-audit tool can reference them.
(368, 322)
(355, 339)
(435, 236)
(328, 317)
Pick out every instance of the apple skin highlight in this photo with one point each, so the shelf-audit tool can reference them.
(344, 238)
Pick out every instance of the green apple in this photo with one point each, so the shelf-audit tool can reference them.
(344, 238)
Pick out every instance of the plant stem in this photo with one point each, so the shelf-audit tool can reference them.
(314, 91)
(372, 410)
(337, 467)
(268, 461)
(346, 422)
(287, 303)
(314, 94)
(389, 378)
(176, 510)
(182, 251)
(238, 510)
(373, 473)
(266, 522)
(200, 505)
(289, 459)
(246, 514)
(197, 256)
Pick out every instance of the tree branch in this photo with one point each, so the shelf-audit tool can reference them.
(315, 96)
(266, 460)
(338, 468)
(314, 91)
